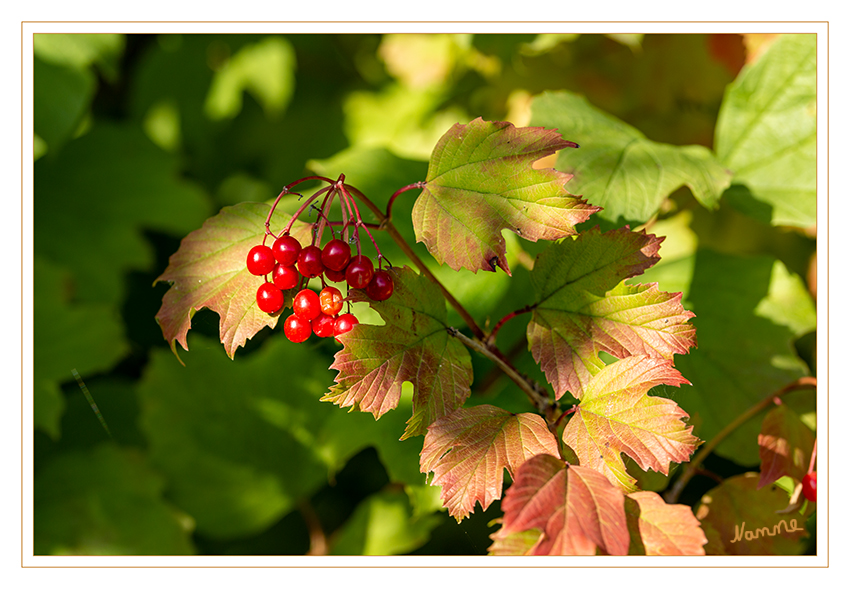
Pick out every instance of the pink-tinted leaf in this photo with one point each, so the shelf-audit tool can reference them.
(617, 416)
(584, 307)
(208, 271)
(660, 529)
(785, 446)
(480, 181)
(575, 508)
(469, 449)
(517, 544)
(414, 346)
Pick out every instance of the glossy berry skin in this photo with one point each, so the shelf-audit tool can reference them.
(336, 254)
(380, 288)
(285, 277)
(269, 298)
(286, 249)
(344, 323)
(359, 272)
(297, 329)
(810, 486)
(310, 261)
(306, 304)
(260, 260)
(334, 275)
(330, 300)
(323, 325)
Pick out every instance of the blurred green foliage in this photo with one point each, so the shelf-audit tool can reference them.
(140, 138)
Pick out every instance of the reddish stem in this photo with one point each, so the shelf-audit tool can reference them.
(491, 339)
(814, 455)
(302, 208)
(413, 186)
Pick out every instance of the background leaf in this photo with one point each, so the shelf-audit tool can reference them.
(785, 446)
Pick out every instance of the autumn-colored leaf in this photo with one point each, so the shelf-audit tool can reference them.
(582, 307)
(412, 346)
(208, 271)
(660, 529)
(785, 446)
(575, 507)
(517, 544)
(617, 416)
(480, 181)
(469, 449)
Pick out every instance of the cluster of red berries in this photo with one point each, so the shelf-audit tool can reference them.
(288, 263)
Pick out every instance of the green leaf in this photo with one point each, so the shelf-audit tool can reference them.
(105, 501)
(582, 307)
(766, 134)
(414, 346)
(659, 529)
(618, 168)
(81, 50)
(480, 181)
(61, 97)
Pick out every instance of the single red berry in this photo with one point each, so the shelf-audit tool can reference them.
(310, 261)
(336, 254)
(359, 272)
(297, 329)
(285, 277)
(810, 486)
(306, 304)
(330, 300)
(380, 288)
(323, 325)
(334, 275)
(269, 298)
(344, 323)
(286, 249)
(260, 260)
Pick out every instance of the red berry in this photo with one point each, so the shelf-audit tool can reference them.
(330, 300)
(260, 260)
(297, 329)
(323, 325)
(269, 298)
(285, 277)
(310, 261)
(336, 254)
(810, 486)
(380, 288)
(286, 249)
(334, 275)
(359, 272)
(306, 304)
(344, 323)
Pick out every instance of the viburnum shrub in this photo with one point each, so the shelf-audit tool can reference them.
(571, 492)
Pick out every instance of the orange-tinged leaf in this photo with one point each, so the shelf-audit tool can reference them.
(617, 416)
(469, 449)
(785, 446)
(208, 271)
(576, 508)
(481, 181)
(661, 529)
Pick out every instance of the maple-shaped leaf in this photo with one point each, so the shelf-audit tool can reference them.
(413, 345)
(480, 181)
(785, 446)
(660, 529)
(469, 449)
(208, 271)
(617, 416)
(575, 508)
(582, 307)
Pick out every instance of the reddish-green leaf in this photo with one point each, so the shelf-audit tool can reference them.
(208, 271)
(469, 449)
(412, 346)
(617, 416)
(785, 446)
(583, 307)
(660, 529)
(480, 181)
(575, 508)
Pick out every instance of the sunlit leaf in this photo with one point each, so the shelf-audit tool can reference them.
(785, 446)
(661, 529)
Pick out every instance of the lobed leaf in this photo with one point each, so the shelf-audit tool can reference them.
(582, 307)
(480, 181)
(208, 271)
(617, 416)
(785, 446)
(469, 449)
(412, 346)
(660, 529)
(576, 509)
